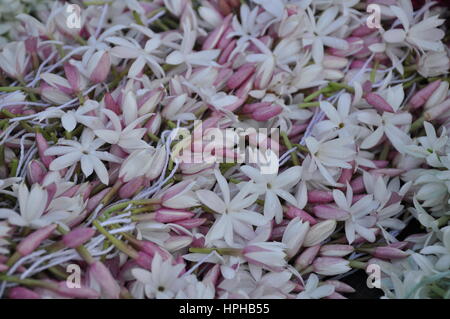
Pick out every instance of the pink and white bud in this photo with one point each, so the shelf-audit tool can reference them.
(155, 168)
(319, 232)
(240, 76)
(36, 172)
(421, 97)
(78, 236)
(131, 187)
(109, 286)
(294, 236)
(339, 286)
(436, 111)
(294, 212)
(42, 147)
(306, 257)
(98, 66)
(154, 123)
(331, 266)
(334, 62)
(268, 255)
(438, 96)
(320, 197)
(167, 215)
(378, 102)
(336, 250)
(266, 113)
(149, 101)
(191, 223)
(32, 241)
(175, 243)
(330, 212)
(389, 253)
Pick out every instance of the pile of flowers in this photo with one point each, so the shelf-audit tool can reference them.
(105, 104)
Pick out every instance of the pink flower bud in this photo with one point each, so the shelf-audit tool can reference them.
(99, 66)
(36, 172)
(32, 241)
(293, 212)
(329, 212)
(154, 123)
(73, 77)
(225, 40)
(78, 236)
(111, 104)
(22, 293)
(3, 267)
(336, 250)
(168, 215)
(212, 40)
(144, 260)
(339, 286)
(306, 257)
(362, 31)
(331, 266)
(319, 232)
(175, 243)
(357, 185)
(95, 200)
(434, 112)
(42, 147)
(269, 255)
(240, 76)
(320, 197)
(81, 292)
(148, 102)
(378, 102)
(389, 253)
(266, 113)
(225, 55)
(103, 277)
(130, 188)
(191, 223)
(421, 97)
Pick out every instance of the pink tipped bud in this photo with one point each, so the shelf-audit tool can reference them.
(131, 187)
(42, 147)
(32, 241)
(399, 244)
(421, 97)
(175, 243)
(378, 102)
(329, 212)
(339, 286)
(389, 253)
(212, 40)
(266, 113)
(252, 107)
(111, 104)
(95, 200)
(78, 236)
(336, 250)
(22, 293)
(148, 102)
(73, 76)
(3, 267)
(293, 212)
(346, 176)
(240, 76)
(355, 44)
(191, 223)
(81, 292)
(320, 197)
(225, 55)
(331, 266)
(154, 123)
(36, 172)
(362, 31)
(434, 112)
(103, 277)
(306, 257)
(168, 215)
(99, 66)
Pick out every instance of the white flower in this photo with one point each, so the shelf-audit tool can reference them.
(314, 291)
(273, 186)
(131, 49)
(358, 220)
(164, 281)
(431, 147)
(32, 204)
(69, 119)
(423, 35)
(331, 154)
(188, 56)
(129, 137)
(233, 215)
(441, 249)
(85, 151)
(320, 32)
(433, 64)
(196, 289)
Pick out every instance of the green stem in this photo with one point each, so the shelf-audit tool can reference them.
(289, 146)
(222, 251)
(309, 104)
(116, 242)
